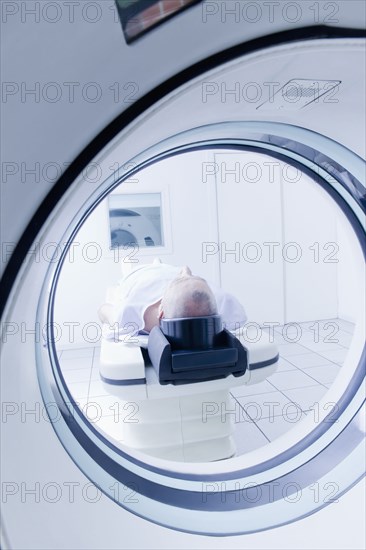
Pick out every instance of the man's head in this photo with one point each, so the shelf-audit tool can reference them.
(187, 296)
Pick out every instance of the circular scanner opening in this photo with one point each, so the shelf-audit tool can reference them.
(227, 210)
(264, 235)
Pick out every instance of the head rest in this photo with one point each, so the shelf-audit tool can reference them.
(192, 332)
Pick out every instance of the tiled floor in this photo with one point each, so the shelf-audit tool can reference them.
(310, 359)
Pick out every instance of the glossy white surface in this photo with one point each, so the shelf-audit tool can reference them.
(54, 133)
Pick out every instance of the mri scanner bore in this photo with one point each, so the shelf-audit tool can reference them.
(276, 253)
(253, 226)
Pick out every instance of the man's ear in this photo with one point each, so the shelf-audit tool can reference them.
(185, 272)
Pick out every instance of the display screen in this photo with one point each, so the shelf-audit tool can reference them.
(135, 220)
(140, 16)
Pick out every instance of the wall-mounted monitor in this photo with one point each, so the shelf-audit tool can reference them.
(135, 220)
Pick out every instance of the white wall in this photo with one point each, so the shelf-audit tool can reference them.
(250, 214)
(291, 223)
(309, 217)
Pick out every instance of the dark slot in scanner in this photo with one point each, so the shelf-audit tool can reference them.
(195, 349)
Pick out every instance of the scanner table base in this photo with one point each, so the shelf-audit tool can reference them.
(191, 422)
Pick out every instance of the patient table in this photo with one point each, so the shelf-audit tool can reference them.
(190, 422)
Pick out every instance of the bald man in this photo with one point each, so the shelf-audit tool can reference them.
(158, 290)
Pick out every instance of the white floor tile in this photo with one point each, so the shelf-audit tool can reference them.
(275, 336)
(77, 375)
(96, 370)
(105, 405)
(236, 412)
(306, 397)
(267, 405)
(318, 347)
(79, 389)
(285, 365)
(325, 374)
(308, 337)
(344, 338)
(75, 363)
(290, 380)
(248, 438)
(310, 326)
(325, 329)
(308, 360)
(97, 388)
(95, 375)
(293, 333)
(253, 389)
(77, 353)
(307, 340)
(110, 426)
(337, 356)
(96, 360)
(287, 350)
(279, 425)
